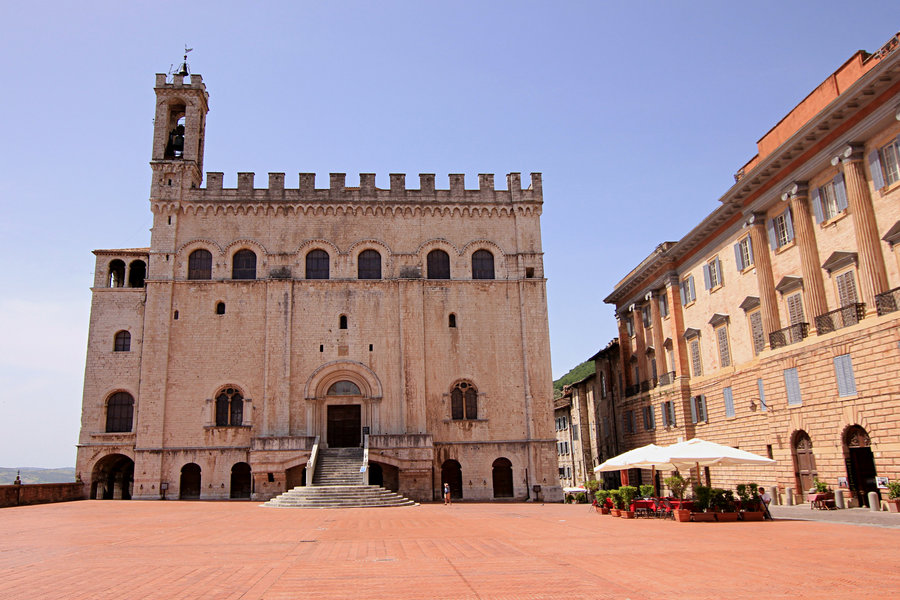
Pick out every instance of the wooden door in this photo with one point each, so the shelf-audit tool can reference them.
(804, 463)
(344, 426)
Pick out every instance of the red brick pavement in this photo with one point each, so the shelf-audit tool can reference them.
(220, 550)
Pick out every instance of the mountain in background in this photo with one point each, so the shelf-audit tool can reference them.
(576, 374)
(35, 475)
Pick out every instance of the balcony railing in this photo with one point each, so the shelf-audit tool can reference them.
(645, 386)
(888, 302)
(788, 335)
(842, 317)
(667, 378)
(632, 390)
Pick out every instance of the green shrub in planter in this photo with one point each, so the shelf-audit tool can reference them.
(601, 496)
(647, 491)
(677, 484)
(894, 490)
(616, 496)
(704, 494)
(629, 493)
(581, 498)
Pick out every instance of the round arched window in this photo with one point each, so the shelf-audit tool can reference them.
(344, 388)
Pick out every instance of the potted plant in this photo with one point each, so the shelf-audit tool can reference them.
(677, 484)
(616, 496)
(751, 504)
(722, 502)
(602, 496)
(647, 491)
(893, 501)
(702, 503)
(628, 492)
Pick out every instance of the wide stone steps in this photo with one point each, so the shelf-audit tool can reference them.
(338, 496)
(339, 466)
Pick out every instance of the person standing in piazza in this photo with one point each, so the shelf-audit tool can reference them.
(447, 494)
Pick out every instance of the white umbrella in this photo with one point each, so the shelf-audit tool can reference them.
(703, 453)
(646, 457)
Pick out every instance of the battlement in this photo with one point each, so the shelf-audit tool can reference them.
(367, 191)
(194, 80)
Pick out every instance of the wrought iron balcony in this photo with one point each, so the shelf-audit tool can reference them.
(645, 386)
(842, 317)
(667, 378)
(788, 335)
(632, 390)
(888, 302)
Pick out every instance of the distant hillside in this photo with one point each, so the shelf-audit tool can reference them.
(35, 475)
(576, 374)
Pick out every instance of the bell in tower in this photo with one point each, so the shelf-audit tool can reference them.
(175, 145)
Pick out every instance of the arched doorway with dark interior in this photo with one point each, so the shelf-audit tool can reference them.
(805, 473)
(385, 475)
(295, 476)
(112, 478)
(502, 477)
(189, 484)
(451, 472)
(860, 464)
(240, 480)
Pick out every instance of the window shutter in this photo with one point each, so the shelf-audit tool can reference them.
(817, 206)
(789, 224)
(706, 279)
(792, 386)
(762, 396)
(738, 257)
(729, 402)
(652, 413)
(701, 408)
(672, 414)
(875, 169)
(770, 229)
(683, 297)
(719, 271)
(750, 249)
(665, 415)
(694, 409)
(692, 290)
(840, 192)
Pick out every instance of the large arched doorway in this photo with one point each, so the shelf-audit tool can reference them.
(376, 475)
(240, 480)
(112, 478)
(804, 462)
(189, 485)
(451, 472)
(501, 472)
(344, 427)
(295, 476)
(860, 464)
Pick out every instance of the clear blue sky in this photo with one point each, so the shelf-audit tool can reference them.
(636, 113)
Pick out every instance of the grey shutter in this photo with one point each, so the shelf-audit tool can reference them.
(792, 385)
(770, 229)
(817, 206)
(694, 409)
(652, 417)
(738, 257)
(875, 169)
(750, 249)
(729, 402)
(691, 285)
(719, 271)
(706, 279)
(665, 415)
(843, 370)
(702, 406)
(681, 289)
(789, 225)
(840, 192)
(762, 396)
(672, 414)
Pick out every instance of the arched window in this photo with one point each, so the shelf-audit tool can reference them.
(344, 388)
(220, 308)
(200, 264)
(342, 322)
(369, 266)
(119, 413)
(229, 408)
(463, 402)
(452, 320)
(482, 265)
(243, 265)
(137, 272)
(317, 264)
(438, 265)
(122, 342)
(116, 274)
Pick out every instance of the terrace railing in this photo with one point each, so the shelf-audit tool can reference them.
(844, 316)
(888, 301)
(789, 335)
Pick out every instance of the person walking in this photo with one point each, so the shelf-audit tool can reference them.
(447, 494)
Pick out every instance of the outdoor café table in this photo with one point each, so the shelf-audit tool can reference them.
(643, 507)
(823, 501)
(682, 504)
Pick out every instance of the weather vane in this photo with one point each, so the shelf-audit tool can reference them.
(183, 70)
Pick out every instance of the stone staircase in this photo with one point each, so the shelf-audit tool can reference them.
(337, 483)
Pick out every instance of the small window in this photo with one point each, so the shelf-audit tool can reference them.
(220, 308)
(344, 388)
(438, 265)
(843, 371)
(724, 350)
(792, 386)
(884, 164)
(663, 306)
(712, 274)
(688, 293)
(649, 418)
(781, 230)
(763, 407)
(119, 413)
(122, 342)
(829, 200)
(629, 325)
(846, 288)
(795, 308)
(529, 272)
(575, 433)
(229, 408)
(200, 264)
(756, 331)
(464, 402)
(175, 315)
(116, 274)
(698, 409)
(243, 265)
(645, 315)
(317, 264)
(452, 320)
(729, 402)
(342, 324)
(482, 265)
(369, 265)
(696, 364)
(743, 254)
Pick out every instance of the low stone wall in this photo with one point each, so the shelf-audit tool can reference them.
(40, 493)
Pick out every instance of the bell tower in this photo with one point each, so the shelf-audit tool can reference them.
(179, 130)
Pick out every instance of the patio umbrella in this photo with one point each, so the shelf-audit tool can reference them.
(703, 453)
(650, 456)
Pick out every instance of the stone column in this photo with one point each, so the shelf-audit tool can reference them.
(624, 351)
(813, 284)
(764, 277)
(640, 350)
(658, 338)
(872, 273)
(679, 347)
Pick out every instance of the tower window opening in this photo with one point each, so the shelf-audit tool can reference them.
(220, 308)
(137, 272)
(343, 322)
(175, 143)
(452, 320)
(116, 274)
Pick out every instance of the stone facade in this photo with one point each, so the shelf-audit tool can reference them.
(773, 325)
(262, 324)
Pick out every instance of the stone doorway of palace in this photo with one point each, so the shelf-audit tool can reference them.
(112, 478)
(804, 462)
(344, 425)
(860, 464)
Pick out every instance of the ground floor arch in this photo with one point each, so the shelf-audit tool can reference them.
(241, 486)
(451, 473)
(860, 463)
(805, 472)
(189, 484)
(112, 478)
(502, 478)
